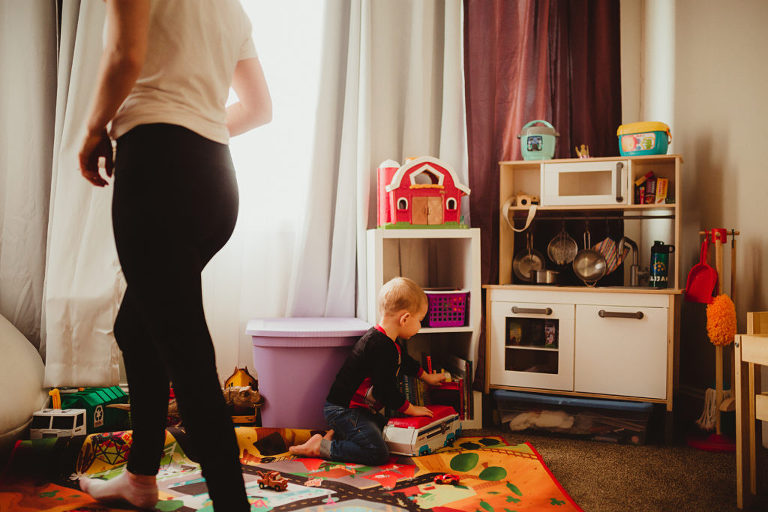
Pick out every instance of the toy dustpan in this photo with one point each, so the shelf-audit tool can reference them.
(702, 279)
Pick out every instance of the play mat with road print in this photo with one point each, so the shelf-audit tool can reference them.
(494, 477)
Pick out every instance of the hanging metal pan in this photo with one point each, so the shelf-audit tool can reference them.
(527, 261)
(589, 265)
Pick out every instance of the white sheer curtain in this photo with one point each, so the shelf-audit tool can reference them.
(249, 277)
(391, 87)
(27, 98)
(83, 284)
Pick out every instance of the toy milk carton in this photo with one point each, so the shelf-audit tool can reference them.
(421, 435)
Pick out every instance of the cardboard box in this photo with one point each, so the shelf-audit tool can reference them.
(662, 184)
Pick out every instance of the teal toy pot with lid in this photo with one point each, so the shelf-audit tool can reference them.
(538, 142)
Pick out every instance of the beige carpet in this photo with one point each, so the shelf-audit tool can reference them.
(605, 477)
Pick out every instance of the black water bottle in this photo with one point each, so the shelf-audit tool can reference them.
(659, 270)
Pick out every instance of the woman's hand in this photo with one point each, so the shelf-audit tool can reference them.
(95, 146)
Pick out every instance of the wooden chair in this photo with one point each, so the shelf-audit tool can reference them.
(750, 350)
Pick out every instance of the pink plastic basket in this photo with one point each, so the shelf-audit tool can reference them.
(446, 308)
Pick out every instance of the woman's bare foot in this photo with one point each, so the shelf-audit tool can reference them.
(138, 490)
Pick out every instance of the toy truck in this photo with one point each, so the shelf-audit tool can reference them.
(272, 480)
(57, 423)
(421, 435)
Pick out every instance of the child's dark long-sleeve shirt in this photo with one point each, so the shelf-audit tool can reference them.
(369, 376)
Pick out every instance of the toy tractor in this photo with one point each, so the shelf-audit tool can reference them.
(272, 480)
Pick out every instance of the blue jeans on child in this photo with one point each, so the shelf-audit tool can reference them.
(357, 436)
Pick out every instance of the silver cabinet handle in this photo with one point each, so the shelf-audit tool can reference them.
(619, 195)
(620, 314)
(533, 311)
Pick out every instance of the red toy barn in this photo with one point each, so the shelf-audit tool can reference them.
(423, 192)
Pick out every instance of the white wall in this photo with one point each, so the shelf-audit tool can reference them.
(720, 127)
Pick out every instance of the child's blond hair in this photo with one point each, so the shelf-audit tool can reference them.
(400, 293)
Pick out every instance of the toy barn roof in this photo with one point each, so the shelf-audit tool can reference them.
(398, 177)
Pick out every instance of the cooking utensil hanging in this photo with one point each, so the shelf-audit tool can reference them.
(702, 279)
(612, 252)
(527, 261)
(589, 265)
(562, 248)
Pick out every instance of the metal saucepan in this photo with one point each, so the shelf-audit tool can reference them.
(589, 265)
(546, 276)
(527, 261)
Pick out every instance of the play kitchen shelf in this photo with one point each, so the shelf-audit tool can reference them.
(588, 195)
(616, 339)
(446, 261)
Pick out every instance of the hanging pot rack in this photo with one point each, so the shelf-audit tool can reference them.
(602, 217)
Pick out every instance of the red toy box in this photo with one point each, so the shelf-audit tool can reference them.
(421, 435)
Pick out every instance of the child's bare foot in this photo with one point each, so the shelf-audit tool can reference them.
(309, 449)
(138, 490)
(328, 435)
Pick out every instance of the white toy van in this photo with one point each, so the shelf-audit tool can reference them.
(57, 423)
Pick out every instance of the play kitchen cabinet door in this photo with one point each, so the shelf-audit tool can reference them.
(621, 350)
(532, 345)
(585, 183)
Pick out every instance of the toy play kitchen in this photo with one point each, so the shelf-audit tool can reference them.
(611, 336)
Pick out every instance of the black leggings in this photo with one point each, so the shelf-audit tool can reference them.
(174, 206)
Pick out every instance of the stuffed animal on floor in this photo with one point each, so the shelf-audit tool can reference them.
(242, 399)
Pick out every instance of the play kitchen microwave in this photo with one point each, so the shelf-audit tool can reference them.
(601, 183)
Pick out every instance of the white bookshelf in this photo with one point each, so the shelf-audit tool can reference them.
(434, 258)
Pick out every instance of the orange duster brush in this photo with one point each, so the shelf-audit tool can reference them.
(721, 320)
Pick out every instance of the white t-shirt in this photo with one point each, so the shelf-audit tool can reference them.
(192, 51)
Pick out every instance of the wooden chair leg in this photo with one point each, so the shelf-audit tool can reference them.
(742, 427)
(752, 434)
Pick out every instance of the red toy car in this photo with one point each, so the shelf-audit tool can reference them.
(447, 479)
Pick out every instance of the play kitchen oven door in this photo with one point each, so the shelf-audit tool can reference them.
(599, 183)
(532, 345)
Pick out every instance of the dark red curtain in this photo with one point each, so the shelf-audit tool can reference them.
(557, 60)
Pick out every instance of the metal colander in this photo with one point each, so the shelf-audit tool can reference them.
(562, 248)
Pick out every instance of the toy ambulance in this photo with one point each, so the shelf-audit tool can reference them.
(57, 423)
(421, 435)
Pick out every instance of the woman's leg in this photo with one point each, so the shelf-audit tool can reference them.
(148, 388)
(174, 207)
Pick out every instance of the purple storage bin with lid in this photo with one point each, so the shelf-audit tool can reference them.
(296, 361)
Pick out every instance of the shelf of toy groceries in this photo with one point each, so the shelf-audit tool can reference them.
(644, 159)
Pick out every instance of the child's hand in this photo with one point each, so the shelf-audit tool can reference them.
(433, 379)
(418, 410)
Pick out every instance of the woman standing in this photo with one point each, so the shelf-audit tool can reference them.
(161, 91)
